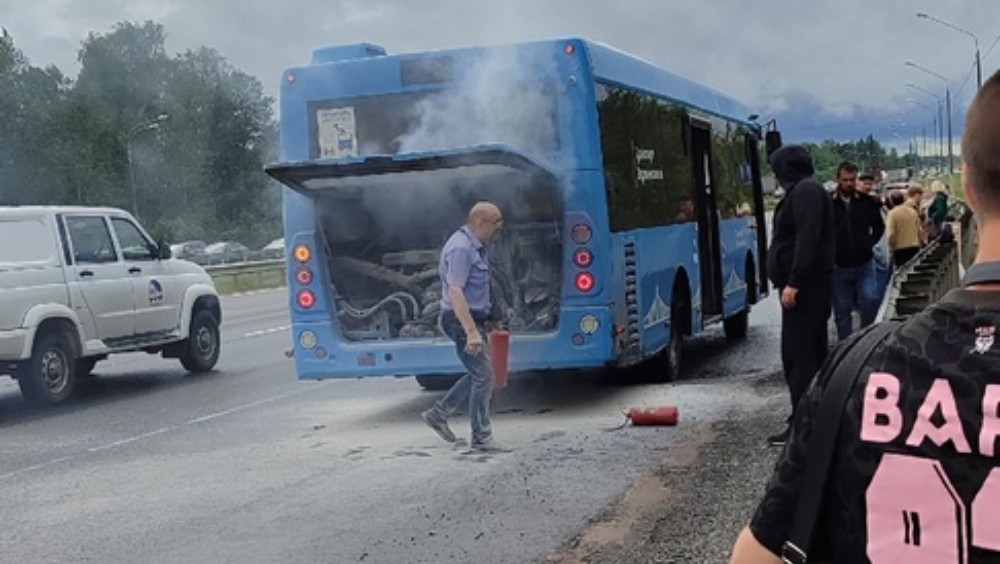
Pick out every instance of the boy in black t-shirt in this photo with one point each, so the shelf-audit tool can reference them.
(915, 474)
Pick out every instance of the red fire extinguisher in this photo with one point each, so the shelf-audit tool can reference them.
(499, 341)
(666, 415)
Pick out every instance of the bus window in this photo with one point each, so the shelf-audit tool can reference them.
(731, 165)
(646, 165)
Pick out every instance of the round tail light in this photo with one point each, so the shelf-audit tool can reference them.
(582, 233)
(306, 299)
(585, 282)
(303, 253)
(303, 276)
(583, 258)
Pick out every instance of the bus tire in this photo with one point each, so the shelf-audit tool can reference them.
(49, 376)
(735, 326)
(673, 353)
(437, 382)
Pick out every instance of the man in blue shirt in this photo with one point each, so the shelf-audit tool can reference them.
(465, 309)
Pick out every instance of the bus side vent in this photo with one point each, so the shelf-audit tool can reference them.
(632, 332)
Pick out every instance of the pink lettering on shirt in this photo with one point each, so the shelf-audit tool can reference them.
(881, 420)
(914, 514)
(940, 397)
(991, 420)
(986, 514)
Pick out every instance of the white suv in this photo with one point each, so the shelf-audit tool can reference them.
(77, 284)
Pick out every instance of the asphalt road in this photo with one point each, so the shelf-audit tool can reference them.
(248, 465)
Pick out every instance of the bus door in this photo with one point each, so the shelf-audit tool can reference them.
(759, 222)
(709, 245)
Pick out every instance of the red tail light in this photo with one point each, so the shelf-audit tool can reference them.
(583, 258)
(307, 299)
(303, 276)
(585, 282)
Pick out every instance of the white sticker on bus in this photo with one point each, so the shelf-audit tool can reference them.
(338, 136)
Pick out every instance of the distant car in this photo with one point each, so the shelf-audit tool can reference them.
(193, 251)
(227, 251)
(274, 250)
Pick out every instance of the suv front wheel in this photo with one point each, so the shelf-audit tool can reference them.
(201, 350)
(49, 376)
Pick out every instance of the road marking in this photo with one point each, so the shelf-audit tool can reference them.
(244, 407)
(267, 331)
(151, 434)
(36, 467)
(110, 446)
(256, 292)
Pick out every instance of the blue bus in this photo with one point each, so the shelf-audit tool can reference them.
(631, 196)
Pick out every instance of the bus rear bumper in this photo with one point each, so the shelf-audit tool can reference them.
(584, 339)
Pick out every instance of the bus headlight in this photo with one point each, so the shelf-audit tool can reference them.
(308, 340)
(589, 324)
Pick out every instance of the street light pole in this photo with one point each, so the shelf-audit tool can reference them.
(939, 122)
(979, 68)
(132, 132)
(947, 96)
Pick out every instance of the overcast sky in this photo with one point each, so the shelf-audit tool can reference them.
(833, 69)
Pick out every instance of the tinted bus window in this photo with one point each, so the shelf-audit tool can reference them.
(647, 169)
(731, 166)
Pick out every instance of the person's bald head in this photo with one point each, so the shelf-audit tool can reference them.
(981, 150)
(485, 220)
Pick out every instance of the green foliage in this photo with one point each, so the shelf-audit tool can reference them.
(867, 153)
(196, 173)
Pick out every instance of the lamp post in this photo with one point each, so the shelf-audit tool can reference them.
(132, 132)
(979, 68)
(947, 97)
(939, 123)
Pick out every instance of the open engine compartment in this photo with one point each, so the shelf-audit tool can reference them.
(383, 235)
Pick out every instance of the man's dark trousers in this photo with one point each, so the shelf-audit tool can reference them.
(805, 336)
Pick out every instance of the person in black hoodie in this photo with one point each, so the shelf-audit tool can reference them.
(799, 263)
(858, 223)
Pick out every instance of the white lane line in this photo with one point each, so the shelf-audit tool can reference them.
(110, 446)
(266, 331)
(255, 292)
(36, 467)
(244, 407)
(155, 433)
(234, 319)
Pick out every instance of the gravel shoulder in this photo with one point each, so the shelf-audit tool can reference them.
(690, 506)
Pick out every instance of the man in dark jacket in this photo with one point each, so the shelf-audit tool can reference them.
(799, 264)
(858, 223)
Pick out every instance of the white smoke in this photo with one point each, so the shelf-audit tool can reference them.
(499, 101)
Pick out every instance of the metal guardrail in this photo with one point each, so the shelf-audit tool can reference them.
(934, 271)
(242, 270)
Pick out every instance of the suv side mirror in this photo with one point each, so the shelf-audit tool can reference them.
(164, 251)
(772, 142)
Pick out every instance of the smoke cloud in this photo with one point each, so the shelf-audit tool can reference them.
(498, 102)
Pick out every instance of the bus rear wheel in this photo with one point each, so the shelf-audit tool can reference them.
(671, 363)
(437, 382)
(736, 326)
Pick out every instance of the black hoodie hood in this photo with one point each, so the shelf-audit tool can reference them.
(791, 164)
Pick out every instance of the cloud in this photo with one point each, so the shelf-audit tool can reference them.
(845, 57)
